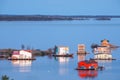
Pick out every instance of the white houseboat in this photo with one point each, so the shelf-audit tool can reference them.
(103, 52)
(22, 55)
(62, 51)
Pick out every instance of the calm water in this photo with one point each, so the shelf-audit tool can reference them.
(44, 35)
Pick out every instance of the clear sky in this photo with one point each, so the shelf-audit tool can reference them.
(60, 7)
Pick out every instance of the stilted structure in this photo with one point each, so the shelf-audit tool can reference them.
(81, 57)
(81, 49)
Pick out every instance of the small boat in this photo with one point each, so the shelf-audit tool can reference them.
(63, 55)
(88, 65)
(62, 51)
(21, 59)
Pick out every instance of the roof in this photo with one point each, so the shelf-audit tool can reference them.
(15, 53)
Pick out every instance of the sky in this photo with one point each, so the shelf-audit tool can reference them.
(60, 7)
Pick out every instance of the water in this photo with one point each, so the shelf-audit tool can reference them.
(56, 69)
(44, 35)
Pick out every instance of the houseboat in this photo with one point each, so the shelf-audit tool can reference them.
(22, 55)
(106, 43)
(81, 49)
(103, 51)
(62, 51)
(87, 65)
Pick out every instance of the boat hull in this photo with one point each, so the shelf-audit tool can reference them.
(21, 59)
(103, 59)
(66, 55)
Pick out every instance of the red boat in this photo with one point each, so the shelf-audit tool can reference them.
(87, 65)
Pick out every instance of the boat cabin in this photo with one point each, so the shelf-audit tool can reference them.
(62, 50)
(22, 54)
(87, 65)
(105, 42)
(81, 49)
(102, 52)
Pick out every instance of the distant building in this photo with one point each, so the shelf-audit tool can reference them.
(22, 54)
(62, 50)
(81, 49)
(105, 42)
(102, 52)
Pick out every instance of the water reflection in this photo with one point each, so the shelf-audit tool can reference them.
(90, 74)
(63, 65)
(106, 63)
(22, 65)
(63, 60)
(87, 74)
(81, 57)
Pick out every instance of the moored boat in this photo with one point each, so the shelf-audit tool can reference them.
(62, 51)
(103, 51)
(65, 55)
(88, 65)
(22, 55)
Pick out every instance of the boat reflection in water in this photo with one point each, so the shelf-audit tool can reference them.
(22, 65)
(81, 57)
(106, 63)
(63, 65)
(63, 60)
(87, 73)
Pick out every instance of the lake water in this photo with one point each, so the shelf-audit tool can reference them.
(43, 35)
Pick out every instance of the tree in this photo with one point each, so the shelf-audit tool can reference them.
(5, 77)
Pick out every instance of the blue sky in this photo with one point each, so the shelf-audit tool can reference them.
(60, 7)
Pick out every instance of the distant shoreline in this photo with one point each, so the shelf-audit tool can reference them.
(54, 17)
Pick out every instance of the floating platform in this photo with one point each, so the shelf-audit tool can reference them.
(22, 59)
(82, 53)
(99, 68)
(84, 69)
(66, 55)
(102, 59)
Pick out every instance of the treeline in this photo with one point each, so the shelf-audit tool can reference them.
(52, 17)
(5, 53)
